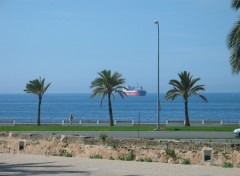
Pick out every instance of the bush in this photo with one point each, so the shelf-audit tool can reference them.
(141, 159)
(145, 160)
(130, 156)
(228, 164)
(121, 157)
(112, 144)
(148, 159)
(103, 137)
(111, 158)
(65, 154)
(171, 153)
(186, 161)
(96, 156)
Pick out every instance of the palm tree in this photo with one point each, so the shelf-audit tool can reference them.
(185, 88)
(233, 41)
(37, 87)
(105, 85)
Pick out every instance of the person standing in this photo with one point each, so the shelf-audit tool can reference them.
(71, 119)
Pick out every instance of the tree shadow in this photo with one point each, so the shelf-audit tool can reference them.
(46, 168)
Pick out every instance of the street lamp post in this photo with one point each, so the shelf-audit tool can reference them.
(158, 96)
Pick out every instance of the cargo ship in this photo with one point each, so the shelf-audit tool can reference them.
(131, 91)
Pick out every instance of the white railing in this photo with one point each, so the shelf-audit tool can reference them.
(86, 122)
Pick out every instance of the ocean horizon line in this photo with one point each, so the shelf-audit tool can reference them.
(48, 93)
(56, 105)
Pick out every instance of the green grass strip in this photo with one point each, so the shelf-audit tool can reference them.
(117, 128)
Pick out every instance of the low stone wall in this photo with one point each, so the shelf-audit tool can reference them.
(201, 153)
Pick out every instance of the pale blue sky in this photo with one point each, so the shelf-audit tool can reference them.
(68, 41)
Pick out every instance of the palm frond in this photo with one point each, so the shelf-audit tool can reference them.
(235, 58)
(235, 4)
(106, 83)
(234, 35)
(103, 96)
(37, 87)
(197, 88)
(120, 92)
(176, 84)
(201, 96)
(98, 91)
(185, 87)
(172, 94)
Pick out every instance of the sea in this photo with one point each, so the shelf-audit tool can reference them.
(57, 107)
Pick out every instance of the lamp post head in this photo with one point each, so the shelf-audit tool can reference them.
(156, 22)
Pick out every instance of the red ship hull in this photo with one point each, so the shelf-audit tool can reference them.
(131, 93)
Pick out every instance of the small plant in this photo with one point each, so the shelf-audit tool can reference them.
(171, 153)
(238, 165)
(141, 160)
(65, 154)
(103, 136)
(121, 157)
(130, 156)
(228, 164)
(186, 161)
(96, 156)
(145, 160)
(226, 155)
(148, 159)
(111, 158)
(112, 144)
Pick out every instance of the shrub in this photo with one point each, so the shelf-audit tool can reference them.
(103, 136)
(65, 154)
(145, 160)
(186, 161)
(96, 156)
(148, 159)
(112, 144)
(141, 159)
(171, 153)
(228, 164)
(238, 165)
(130, 156)
(111, 158)
(121, 157)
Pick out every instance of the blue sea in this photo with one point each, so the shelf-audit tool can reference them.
(57, 107)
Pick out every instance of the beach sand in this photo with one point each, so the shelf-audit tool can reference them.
(21, 164)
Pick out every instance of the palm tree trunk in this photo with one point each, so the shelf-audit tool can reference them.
(110, 110)
(39, 110)
(187, 123)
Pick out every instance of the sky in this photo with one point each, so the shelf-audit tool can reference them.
(68, 42)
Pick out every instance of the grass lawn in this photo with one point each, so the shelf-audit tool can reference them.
(117, 128)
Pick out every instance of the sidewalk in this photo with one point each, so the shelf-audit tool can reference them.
(20, 164)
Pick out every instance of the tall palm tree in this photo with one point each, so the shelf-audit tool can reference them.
(105, 85)
(185, 88)
(233, 41)
(38, 88)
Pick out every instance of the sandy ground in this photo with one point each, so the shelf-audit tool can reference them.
(20, 164)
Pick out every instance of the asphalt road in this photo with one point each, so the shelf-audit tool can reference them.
(40, 165)
(207, 136)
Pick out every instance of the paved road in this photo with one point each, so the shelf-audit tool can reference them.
(209, 136)
(20, 164)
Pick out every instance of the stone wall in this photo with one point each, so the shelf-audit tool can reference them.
(177, 152)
